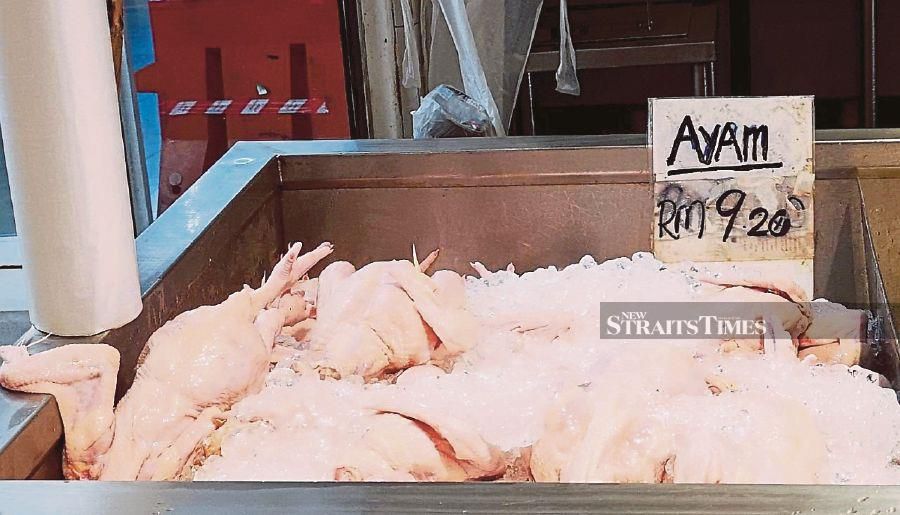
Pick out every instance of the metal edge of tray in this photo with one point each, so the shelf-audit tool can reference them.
(168, 239)
(525, 160)
(884, 347)
(162, 248)
(142, 497)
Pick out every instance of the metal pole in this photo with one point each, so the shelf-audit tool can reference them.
(138, 185)
(870, 94)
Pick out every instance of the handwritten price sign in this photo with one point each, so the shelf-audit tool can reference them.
(733, 178)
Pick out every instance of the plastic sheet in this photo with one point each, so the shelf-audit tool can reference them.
(473, 78)
(65, 157)
(566, 77)
(411, 76)
(502, 31)
(446, 112)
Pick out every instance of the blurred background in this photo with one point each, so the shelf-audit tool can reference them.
(199, 75)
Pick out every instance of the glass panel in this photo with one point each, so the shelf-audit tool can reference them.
(140, 48)
(7, 220)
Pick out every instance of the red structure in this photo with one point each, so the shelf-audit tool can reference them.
(231, 70)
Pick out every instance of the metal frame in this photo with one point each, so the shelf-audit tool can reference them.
(228, 498)
(869, 85)
(229, 227)
(697, 48)
(138, 182)
(354, 69)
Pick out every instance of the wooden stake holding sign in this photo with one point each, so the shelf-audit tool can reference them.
(733, 182)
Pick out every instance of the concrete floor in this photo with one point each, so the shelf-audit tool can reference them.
(13, 324)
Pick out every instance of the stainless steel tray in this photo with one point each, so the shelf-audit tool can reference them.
(536, 201)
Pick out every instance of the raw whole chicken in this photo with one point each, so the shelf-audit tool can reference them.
(386, 316)
(197, 365)
(388, 373)
(301, 426)
(674, 428)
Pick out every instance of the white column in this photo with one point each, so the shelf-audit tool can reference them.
(66, 163)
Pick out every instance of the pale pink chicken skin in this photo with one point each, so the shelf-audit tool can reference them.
(301, 427)
(196, 366)
(425, 444)
(398, 447)
(588, 437)
(386, 316)
(364, 323)
(835, 334)
(82, 378)
(674, 426)
(774, 281)
(475, 457)
(777, 442)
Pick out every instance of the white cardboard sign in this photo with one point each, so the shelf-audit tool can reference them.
(733, 179)
(707, 138)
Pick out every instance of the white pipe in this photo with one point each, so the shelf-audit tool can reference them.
(66, 163)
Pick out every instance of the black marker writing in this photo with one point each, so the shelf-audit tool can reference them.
(730, 212)
(677, 217)
(723, 137)
(680, 216)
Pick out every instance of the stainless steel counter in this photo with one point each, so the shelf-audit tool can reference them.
(535, 201)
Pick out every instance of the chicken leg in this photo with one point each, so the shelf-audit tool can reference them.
(203, 359)
(82, 377)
